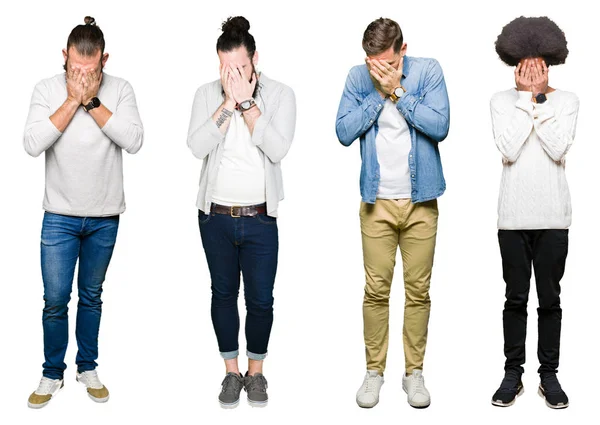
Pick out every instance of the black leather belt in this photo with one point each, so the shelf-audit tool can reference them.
(237, 211)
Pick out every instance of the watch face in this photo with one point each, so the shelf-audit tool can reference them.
(95, 102)
(540, 98)
(245, 104)
(398, 91)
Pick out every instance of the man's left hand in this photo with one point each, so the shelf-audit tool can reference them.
(241, 88)
(91, 85)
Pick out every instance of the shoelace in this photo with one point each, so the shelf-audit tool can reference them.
(229, 383)
(419, 383)
(258, 383)
(371, 384)
(92, 379)
(45, 386)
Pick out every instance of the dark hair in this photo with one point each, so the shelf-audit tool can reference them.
(380, 35)
(87, 39)
(532, 37)
(235, 34)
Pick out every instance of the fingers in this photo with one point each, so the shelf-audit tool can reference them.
(518, 70)
(544, 67)
(380, 67)
(376, 75)
(233, 74)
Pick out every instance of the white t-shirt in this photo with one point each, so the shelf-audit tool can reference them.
(393, 146)
(241, 173)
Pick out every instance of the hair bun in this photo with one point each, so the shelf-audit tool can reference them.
(89, 20)
(236, 24)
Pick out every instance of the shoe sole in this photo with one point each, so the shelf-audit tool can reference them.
(415, 405)
(96, 399)
(501, 404)
(229, 405)
(254, 403)
(367, 405)
(551, 406)
(39, 406)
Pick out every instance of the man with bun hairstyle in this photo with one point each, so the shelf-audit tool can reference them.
(398, 106)
(533, 126)
(242, 126)
(81, 119)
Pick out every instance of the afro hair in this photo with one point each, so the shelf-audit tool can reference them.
(532, 37)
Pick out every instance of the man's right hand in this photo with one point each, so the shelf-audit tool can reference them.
(523, 76)
(75, 86)
(226, 84)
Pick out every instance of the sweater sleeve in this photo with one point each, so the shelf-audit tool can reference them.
(512, 124)
(124, 127)
(556, 130)
(40, 133)
(274, 130)
(203, 133)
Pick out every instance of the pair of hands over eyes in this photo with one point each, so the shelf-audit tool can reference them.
(532, 75)
(385, 77)
(235, 84)
(82, 84)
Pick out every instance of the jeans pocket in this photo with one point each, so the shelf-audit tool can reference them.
(266, 219)
(203, 218)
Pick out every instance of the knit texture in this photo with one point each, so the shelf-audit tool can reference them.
(534, 140)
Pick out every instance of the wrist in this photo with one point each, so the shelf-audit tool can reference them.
(229, 104)
(71, 101)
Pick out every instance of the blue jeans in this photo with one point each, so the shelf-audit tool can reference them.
(65, 239)
(248, 245)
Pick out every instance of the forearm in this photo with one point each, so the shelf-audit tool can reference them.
(432, 119)
(63, 115)
(101, 115)
(250, 117)
(512, 124)
(355, 118)
(223, 114)
(556, 134)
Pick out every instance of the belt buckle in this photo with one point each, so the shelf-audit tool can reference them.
(232, 214)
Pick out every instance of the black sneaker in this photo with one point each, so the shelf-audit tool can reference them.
(510, 388)
(256, 387)
(551, 391)
(231, 387)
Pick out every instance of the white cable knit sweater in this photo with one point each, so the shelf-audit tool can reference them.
(534, 139)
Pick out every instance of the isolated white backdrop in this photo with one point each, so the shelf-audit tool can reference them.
(158, 353)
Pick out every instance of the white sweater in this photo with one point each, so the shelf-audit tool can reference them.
(534, 139)
(84, 166)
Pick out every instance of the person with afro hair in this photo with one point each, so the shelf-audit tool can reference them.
(534, 127)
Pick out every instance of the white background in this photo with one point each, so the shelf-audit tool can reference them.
(158, 352)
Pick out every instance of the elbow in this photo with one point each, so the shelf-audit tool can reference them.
(138, 141)
(31, 147)
(342, 135)
(441, 131)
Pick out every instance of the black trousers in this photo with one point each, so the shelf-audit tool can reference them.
(547, 251)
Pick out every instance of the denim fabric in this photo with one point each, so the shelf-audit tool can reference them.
(248, 245)
(425, 107)
(64, 241)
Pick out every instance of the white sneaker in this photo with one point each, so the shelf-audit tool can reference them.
(414, 386)
(368, 393)
(95, 389)
(44, 393)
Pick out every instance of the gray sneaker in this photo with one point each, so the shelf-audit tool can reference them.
(231, 387)
(256, 387)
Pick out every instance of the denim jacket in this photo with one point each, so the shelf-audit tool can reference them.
(425, 107)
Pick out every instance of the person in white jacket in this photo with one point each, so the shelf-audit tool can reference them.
(534, 127)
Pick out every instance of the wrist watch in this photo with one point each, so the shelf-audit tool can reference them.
(539, 98)
(246, 104)
(397, 93)
(94, 103)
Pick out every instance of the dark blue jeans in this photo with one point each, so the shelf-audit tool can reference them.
(248, 245)
(65, 239)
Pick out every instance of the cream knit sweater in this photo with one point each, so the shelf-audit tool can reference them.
(534, 139)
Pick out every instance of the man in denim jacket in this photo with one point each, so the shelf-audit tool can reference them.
(398, 106)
